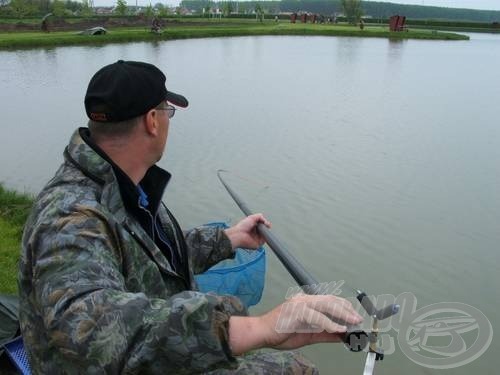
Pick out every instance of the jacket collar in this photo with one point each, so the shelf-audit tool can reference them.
(95, 164)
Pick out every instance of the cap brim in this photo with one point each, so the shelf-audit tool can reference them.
(177, 99)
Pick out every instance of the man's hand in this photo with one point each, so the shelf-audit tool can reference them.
(245, 233)
(303, 320)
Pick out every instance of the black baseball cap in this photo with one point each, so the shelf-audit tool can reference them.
(127, 89)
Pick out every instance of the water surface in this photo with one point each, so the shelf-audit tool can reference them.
(377, 161)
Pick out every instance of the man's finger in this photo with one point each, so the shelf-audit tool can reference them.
(318, 322)
(260, 218)
(339, 309)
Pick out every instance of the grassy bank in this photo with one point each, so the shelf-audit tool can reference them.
(14, 209)
(13, 40)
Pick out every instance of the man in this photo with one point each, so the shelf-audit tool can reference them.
(106, 274)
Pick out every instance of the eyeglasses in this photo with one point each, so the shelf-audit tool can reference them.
(169, 108)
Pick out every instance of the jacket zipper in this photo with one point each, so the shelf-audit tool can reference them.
(140, 241)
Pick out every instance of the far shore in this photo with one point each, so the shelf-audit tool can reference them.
(201, 28)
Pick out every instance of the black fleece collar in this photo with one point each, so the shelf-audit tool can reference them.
(154, 182)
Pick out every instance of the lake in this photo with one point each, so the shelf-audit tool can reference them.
(377, 161)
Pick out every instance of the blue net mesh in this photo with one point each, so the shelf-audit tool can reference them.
(16, 352)
(243, 276)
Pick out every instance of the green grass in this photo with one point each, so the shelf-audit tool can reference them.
(462, 29)
(183, 30)
(14, 210)
(9, 255)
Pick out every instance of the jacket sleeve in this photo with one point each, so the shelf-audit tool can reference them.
(91, 320)
(207, 245)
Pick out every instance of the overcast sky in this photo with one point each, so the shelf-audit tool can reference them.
(472, 4)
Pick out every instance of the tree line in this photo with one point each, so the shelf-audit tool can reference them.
(59, 8)
(376, 10)
(68, 8)
(353, 9)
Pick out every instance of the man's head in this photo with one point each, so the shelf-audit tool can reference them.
(123, 91)
(127, 89)
(129, 99)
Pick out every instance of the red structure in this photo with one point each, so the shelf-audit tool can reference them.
(397, 23)
(293, 17)
(303, 18)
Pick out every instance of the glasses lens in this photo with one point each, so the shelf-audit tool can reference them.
(170, 111)
(169, 108)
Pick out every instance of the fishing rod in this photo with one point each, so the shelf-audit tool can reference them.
(303, 278)
(355, 339)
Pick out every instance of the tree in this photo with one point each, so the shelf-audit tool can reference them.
(58, 8)
(227, 8)
(259, 12)
(352, 10)
(86, 10)
(22, 8)
(73, 6)
(149, 12)
(161, 9)
(43, 6)
(121, 7)
(207, 10)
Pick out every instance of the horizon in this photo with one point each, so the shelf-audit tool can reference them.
(493, 5)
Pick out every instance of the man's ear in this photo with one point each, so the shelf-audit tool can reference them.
(151, 123)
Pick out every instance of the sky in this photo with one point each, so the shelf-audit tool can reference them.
(471, 4)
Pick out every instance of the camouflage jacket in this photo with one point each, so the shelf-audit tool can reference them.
(96, 293)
